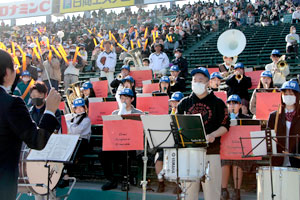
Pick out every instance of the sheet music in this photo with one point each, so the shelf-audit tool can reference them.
(158, 122)
(261, 149)
(58, 148)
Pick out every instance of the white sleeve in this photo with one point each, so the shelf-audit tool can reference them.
(82, 129)
(166, 61)
(151, 61)
(114, 63)
(99, 64)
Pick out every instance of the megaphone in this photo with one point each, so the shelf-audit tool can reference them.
(231, 43)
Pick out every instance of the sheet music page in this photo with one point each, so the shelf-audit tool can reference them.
(58, 148)
(261, 149)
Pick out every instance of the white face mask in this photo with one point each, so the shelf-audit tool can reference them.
(289, 99)
(198, 88)
(26, 79)
(293, 31)
(176, 55)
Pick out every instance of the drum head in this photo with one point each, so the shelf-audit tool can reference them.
(38, 174)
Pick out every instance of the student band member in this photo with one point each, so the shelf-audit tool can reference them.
(234, 104)
(216, 122)
(288, 124)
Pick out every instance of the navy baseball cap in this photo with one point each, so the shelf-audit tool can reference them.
(216, 75)
(127, 92)
(290, 85)
(125, 67)
(176, 96)
(239, 65)
(128, 78)
(266, 74)
(201, 70)
(29, 56)
(235, 98)
(25, 73)
(78, 102)
(174, 68)
(87, 85)
(275, 52)
(164, 79)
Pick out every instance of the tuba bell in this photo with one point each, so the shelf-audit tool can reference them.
(72, 93)
(134, 55)
(231, 43)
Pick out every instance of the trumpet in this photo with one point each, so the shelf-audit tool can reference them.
(172, 80)
(239, 77)
(120, 76)
(282, 64)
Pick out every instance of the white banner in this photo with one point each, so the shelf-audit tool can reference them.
(156, 1)
(23, 9)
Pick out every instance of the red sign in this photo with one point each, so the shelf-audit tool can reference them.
(222, 95)
(149, 88)
(255, 77)
(97, 109)
(231, 148)
(140, 76)
(64, 128)
(157, 105)
(212, 70)
(266, 102)
(29, 8)
(123, 135)
(100, 88)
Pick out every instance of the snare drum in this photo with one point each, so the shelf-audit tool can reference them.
(286, 183)
(191, 164)
(31, 172)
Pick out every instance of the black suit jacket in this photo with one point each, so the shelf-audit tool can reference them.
(16, 126)
(281, 131)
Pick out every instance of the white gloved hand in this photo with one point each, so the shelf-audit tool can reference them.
(122, 110)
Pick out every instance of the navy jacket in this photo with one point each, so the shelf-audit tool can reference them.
(16, 126)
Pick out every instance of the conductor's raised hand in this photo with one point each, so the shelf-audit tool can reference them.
(53, 100)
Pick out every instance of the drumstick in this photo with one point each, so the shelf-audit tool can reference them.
(276, 119)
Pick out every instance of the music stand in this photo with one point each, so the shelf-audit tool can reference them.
(124, 117)
(59, 149)
(270, 139)
(173, 131)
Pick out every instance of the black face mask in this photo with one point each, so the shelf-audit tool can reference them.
(37, 101)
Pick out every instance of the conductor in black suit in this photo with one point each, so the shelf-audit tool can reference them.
(16, 126)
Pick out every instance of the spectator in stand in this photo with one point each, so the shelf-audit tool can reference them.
(264, 18)
(274, 17)
(159, 61)
(250, 19)
(172, 40)
(292, 41)
(22, 89)
(106, 62)
(296, 16)
(53, 70)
